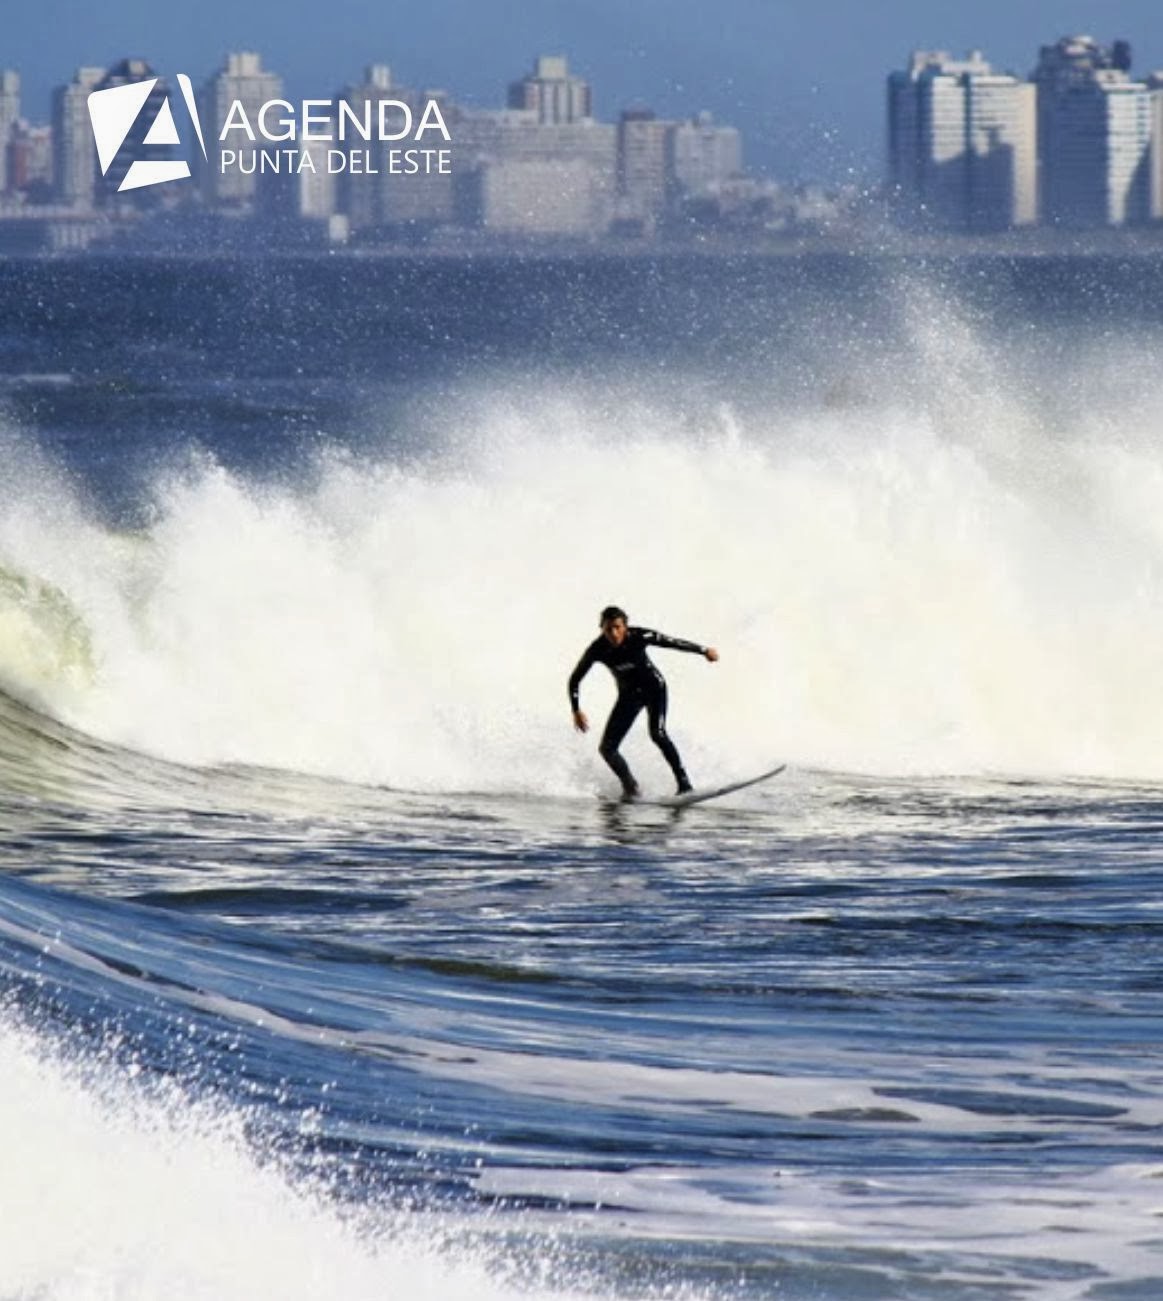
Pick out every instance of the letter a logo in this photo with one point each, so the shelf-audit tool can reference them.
(114, 113)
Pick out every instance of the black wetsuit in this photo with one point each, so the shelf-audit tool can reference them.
(640, 685)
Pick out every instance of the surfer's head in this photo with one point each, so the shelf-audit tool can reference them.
(613, 621)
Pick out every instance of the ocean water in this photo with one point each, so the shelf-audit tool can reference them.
(328, 965)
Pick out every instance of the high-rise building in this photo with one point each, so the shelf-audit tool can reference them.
(30, 162)
(515, 173)
(962, 144)
(1001, 130)
(1094, 135)
(1067, 65)
(387, 198)
(244, 79)
(74, 149)
(301, 193)
(9, 116)
(1155, 195)
(703, 156)
(551, 93)
(533, 196)
(645, 156)
(426, 198)
(904, 142)
(928, 146)
(361, 194)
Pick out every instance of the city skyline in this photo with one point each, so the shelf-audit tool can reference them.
(1077, 143)
(541, 166)
(802, 85)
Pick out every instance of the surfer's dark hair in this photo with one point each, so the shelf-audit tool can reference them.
(610, 613)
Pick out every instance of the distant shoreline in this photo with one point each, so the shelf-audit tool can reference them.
(936, 250)
(1140, 242)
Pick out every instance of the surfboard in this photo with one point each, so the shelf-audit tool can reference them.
(713, 792)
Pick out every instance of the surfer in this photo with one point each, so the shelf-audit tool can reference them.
(622, 649)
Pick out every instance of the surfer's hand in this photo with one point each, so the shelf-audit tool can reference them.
(711, 653)
(580, 721)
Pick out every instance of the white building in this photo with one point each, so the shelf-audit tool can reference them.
(703, 156)
(644, 164)
(385, 197)
(534, 196)
(74, 150)
(562, 175)
(1097, 174)
(927, 141)
(962, 144)
(361, 195)
(1155, 192)
(241, 78)
(1094, 135)
(1001, 129)
(552, 93)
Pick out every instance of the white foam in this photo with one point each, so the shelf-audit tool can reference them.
(107, 1190)
(893, 588)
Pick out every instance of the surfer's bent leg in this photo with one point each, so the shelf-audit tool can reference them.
(656, 712)
(623, 714)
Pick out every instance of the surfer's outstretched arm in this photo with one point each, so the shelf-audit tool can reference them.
(661, 640)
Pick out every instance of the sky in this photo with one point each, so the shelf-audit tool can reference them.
(802, 79)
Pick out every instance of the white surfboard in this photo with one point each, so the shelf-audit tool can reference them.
(713, 792)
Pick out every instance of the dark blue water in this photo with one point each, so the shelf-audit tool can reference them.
(327, 964)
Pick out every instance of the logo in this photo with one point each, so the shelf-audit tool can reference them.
(115, 112)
